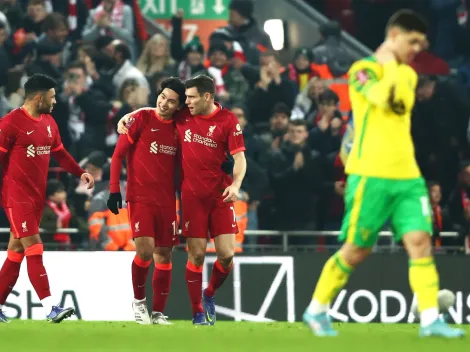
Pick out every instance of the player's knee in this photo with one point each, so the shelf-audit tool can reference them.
(418, 244)
(196, 256)
(226, 260)
(144, 253)
(354, 255)
(162, 255)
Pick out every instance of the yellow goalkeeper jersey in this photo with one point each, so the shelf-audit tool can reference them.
(382, 146)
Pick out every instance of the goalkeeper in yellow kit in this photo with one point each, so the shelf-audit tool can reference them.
(384, 181)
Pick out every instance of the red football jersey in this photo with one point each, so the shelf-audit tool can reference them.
(205, 141)
(28, 142)
(151, 160)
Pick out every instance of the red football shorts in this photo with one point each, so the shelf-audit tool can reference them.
(24, 221)
(154, 221)
(209, 216)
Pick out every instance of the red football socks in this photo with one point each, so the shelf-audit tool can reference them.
(194, 282)
(140, 270)
(218, 276)
(36, 271)
(161, 283)
(9, 274)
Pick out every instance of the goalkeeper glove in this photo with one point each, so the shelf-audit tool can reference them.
(114, 202)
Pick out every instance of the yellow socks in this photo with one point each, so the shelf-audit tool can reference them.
(424, 281)
(334, 276)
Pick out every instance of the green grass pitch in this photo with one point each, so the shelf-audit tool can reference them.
(36, 336)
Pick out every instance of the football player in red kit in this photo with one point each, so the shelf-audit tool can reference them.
(28, 136)
(207, 131)
(150, 148)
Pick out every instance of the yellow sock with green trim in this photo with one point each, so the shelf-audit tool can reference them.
(424, 281)
(334, 276)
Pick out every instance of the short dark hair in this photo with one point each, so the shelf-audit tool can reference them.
(328, 96)
(36, 2)
(409, 21)
(53, 21)
(53, 186)
(203, 84)
(76, 64)
(299, 123)
(176, 85)
(124, 50)
(38, 83)
(281, 108)
(432, 183)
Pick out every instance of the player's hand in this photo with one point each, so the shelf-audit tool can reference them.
(122, 129)
(231, 193)
(340, 187)
(227, 166)
(88, 179)
(114, 202)
(299, 161)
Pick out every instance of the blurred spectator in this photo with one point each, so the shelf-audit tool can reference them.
(86, 111)
(156, 57)
(124, 68)
(55, 32)
(328, 129)
(5, 60)
(426, 63)
(244, 29)
(252, 141)
(295, 177)
(189, 56)
(13, 13)
(440, 121)
(272, 139)
(301, 71)
(76, 13)
(306, 103)
(94, 165)
(58, 214)
(231, 86)
(459, 202)
(33, 22)
(439, 215)
(270, 89)
(49, 61)
(329, 51)
(97, 165)
(108, 231)
(112, 18)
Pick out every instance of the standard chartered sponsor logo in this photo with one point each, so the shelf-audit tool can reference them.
(187, 136)
(154, 148)
(30, 151)
(162, 149)
(190, 137)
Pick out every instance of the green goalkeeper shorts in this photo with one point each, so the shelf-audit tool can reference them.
(370, 202)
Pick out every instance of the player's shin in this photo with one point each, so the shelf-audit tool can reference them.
(220, 271)
(161, 283)
(38, 275)
(194, 283)
(424, 282)
(140, 269)
(334, 276)
(9, 274)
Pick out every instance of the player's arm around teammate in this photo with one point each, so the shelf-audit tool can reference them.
(150, 147)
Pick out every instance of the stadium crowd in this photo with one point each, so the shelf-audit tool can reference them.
(295, 116)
